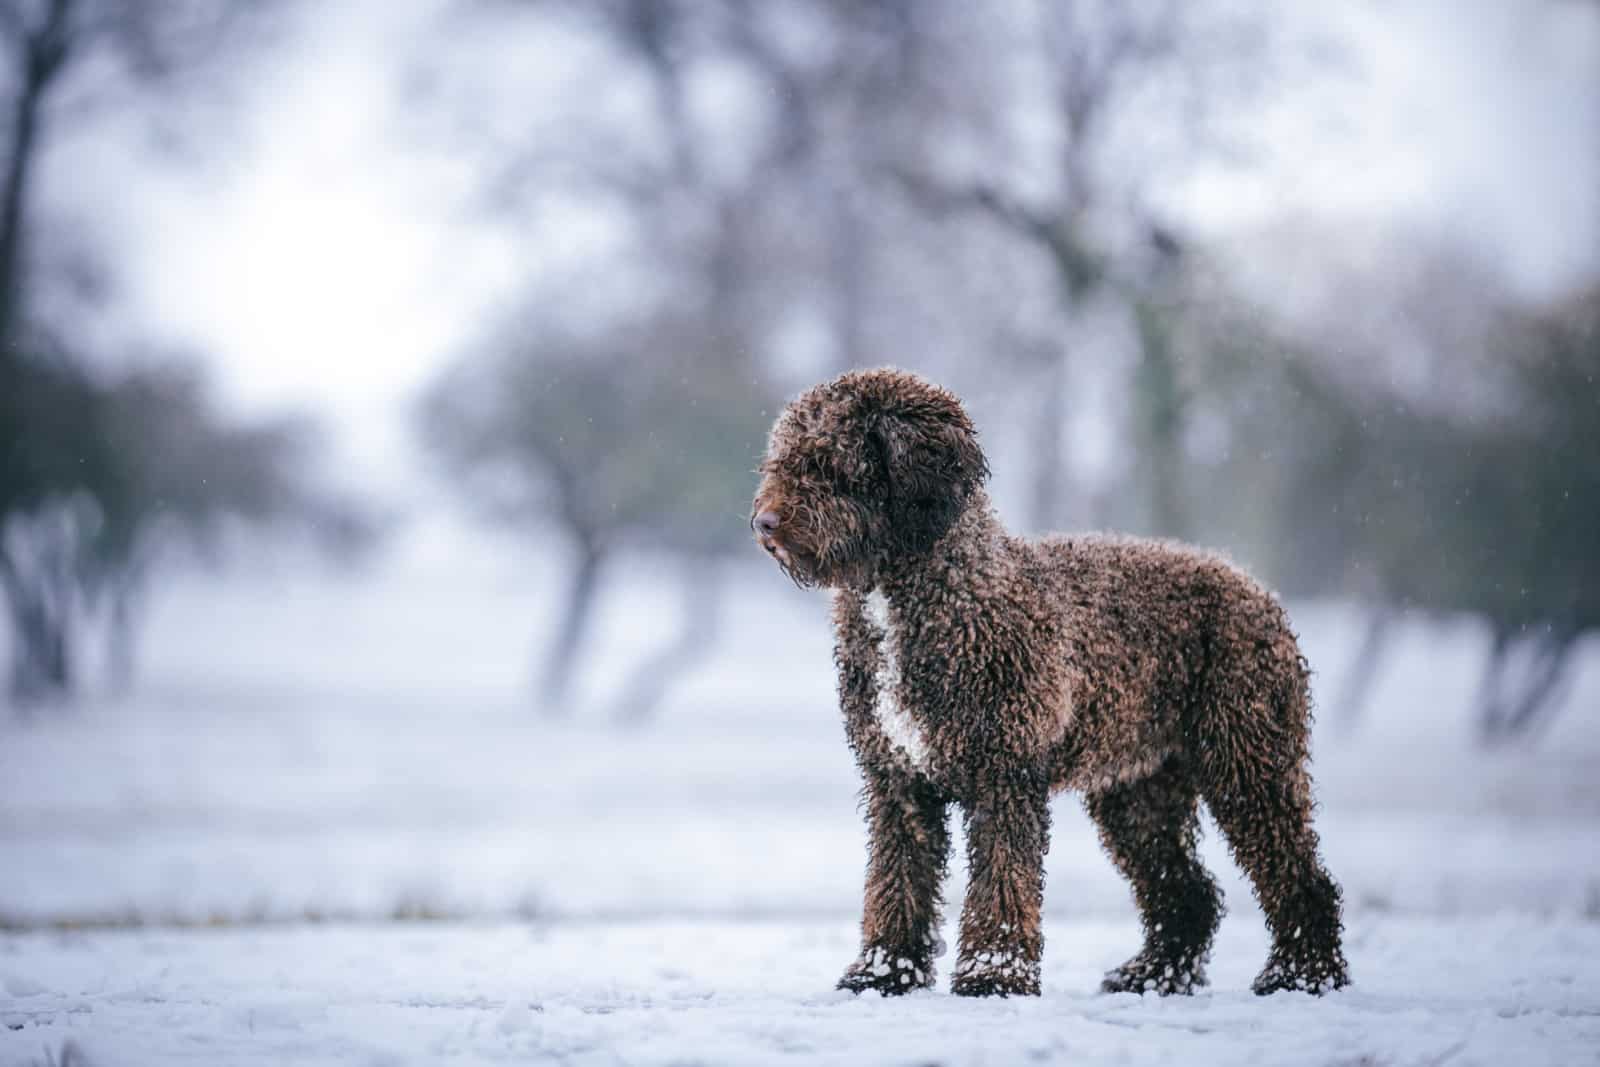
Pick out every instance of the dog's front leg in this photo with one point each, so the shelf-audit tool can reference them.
(1008, 831)
(908, 853)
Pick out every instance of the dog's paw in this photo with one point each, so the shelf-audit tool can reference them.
(996, 974)
(886, 971)
(1148, 973)
(1313, 974)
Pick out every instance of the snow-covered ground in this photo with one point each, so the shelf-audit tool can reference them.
(355, 751)
(1430, 991)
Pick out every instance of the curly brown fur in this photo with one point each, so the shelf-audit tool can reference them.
(991, 671)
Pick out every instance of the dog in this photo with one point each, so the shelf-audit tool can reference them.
(990, 671)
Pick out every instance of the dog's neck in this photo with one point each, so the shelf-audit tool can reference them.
(969, 560)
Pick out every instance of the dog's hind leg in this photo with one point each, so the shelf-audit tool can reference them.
(908, 854)
(1150, 827)
(1008, 831)
(1256, 784)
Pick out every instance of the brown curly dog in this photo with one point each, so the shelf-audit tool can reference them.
(992, 671)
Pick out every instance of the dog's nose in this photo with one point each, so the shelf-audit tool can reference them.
(767, 523)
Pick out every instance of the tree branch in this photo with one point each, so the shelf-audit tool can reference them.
(1079, 268)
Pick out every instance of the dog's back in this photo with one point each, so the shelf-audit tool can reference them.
(1155, 632)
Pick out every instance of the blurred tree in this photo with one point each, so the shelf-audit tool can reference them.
(611, 439)
(724, 240)
(46, 408)
(1161, 394)
(62, 59)
(1538, 512)
(121, 475)
(98, 473)
(811, 102)
(1130, 93)
(174, 475)
(1435, 453)
(858, 97)
(1480, 493)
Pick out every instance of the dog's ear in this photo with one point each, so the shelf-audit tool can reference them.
(932, 465)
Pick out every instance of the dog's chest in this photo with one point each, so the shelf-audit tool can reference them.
(899, 726)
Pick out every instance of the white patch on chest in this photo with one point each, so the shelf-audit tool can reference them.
(898, 725)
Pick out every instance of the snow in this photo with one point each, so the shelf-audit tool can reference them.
(1481, 991)
(210, 871)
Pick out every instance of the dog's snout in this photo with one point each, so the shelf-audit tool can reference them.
(767, 523)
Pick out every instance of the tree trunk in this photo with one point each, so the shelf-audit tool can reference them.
(41, 663)
(1545, 687)
(13, 199)
(1363, 671)
(43, 51)
(41, 633)
(122, 637)
(847, 250)
(1048, 473)
(697, 631)
(561, 658)
(1490, 706)
(1535, 693)
(1159, 407)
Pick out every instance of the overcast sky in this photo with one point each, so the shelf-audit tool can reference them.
(320, 260)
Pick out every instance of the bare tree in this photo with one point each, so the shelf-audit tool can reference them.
(603, 436)
(1433, 455)
(71, 507)
(1132, 92)
(45, 425)
(174, 479)
(1550, 466)
(724, 222)
(60, 60)
(129, 475)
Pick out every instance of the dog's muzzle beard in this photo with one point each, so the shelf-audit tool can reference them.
(796, 573)
(765, 523)
(795, 566)
(808, 571)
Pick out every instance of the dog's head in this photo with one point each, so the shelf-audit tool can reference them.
(870, 466)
